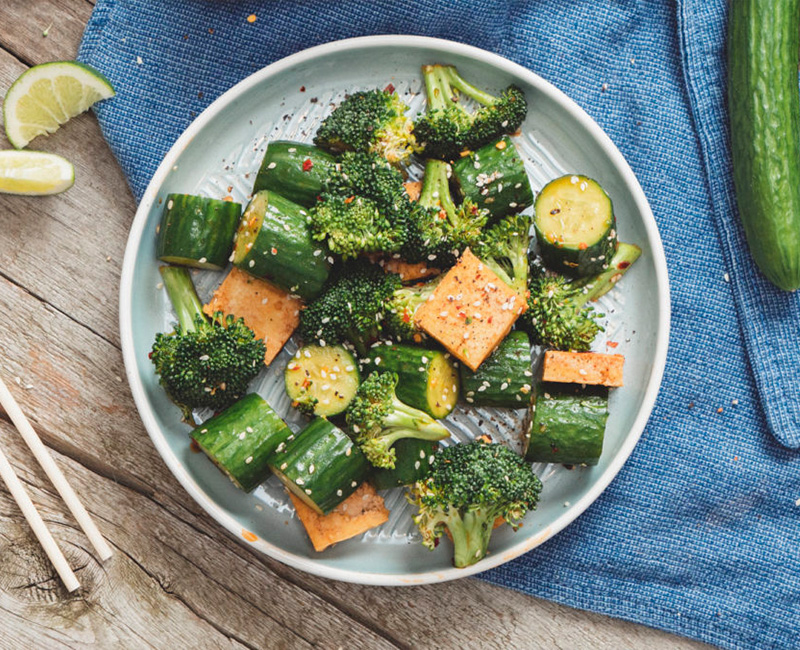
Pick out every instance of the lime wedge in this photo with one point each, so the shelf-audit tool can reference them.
(47, 95)
(34, 173)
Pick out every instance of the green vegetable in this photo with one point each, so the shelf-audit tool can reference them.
(569, 424)
(401, 307)
(575, 226)
(413, 463)
(274, 243)
(321, 380)
(427, 379)
(764, 106)
(494, 178)
(197, 231)
(448, 128)
(241, 439)
(469, 487)
(504, 249)
(321, 465)
(505, 378)
(295, 170)
(203, 363)
(351, 308)
(378, 419)
(440, 229)
(558, 314)
(373, 121)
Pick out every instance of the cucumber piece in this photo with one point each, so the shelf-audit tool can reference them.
(575, 226)
(274, 243)
(568, 425)
(197, 231)
(505, 378)
(494, 177)
(322, 380)
(427, 379)
(241, 439)
(295, 170)
(320, 465)
(413, 463)
(765, 132)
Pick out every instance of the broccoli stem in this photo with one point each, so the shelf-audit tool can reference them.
(413, 423)
(603, 282)
(450, 77)
(435, 191)
(183, 296)
(471, 533)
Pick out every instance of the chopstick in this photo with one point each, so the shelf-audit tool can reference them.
(53, 473)
(35, 521)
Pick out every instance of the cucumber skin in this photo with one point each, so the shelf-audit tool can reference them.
(510, 363)
(412, 385)
(287, 177)
(220, 439)
(506, 160)
(293, 266)
(764, 106)
(574, 262)
(196, 227)
(568, 426)
(405, 469)
(325, 446)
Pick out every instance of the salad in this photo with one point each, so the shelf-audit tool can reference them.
(409, 297)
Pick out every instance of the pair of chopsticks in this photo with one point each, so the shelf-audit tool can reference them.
(33, 517)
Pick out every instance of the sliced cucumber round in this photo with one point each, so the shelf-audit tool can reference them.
(197, 231)
(427, 379)
(321, 465)
(575, 226)
(322, 380)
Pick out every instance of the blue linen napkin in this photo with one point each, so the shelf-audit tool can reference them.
(699, 532)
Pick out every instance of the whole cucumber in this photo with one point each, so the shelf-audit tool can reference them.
(764, 105)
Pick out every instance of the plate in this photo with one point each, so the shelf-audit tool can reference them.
(219, 155)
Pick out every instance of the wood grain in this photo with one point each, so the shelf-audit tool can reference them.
(178, 580)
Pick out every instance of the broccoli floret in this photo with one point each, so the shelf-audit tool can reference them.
(504, 249)
(439, 229)
(367, 175)
(378, 419)
(351, 308)
(469, 487)
(372, 120)
(558, 313)
(354, 225)
(447, 128)
(400, 310)
(203, 363)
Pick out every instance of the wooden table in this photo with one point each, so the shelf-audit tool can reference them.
(178, 579)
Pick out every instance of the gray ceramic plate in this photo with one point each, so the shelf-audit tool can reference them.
(223, 148)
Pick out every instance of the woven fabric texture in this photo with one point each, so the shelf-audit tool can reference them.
(699, 532)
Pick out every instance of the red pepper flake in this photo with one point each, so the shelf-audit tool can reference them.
(582, 246)
(302, 89)
(612, 344)
(623, 265)
(406, 317)
(251, 18)
(389, 89)
(210, 30)
(307, 165)
(274, 250)
(349, 199)
(227, 198)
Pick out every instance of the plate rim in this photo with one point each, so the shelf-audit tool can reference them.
(219, 514)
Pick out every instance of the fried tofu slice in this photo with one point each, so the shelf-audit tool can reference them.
(591, 368)
(471, 311)
(413, 189)
(267, 310)
(362, 510)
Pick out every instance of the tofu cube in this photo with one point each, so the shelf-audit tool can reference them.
(362, 510)
(471, 311)
(591, 368)
(269, 311)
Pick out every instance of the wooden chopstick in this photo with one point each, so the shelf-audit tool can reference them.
(53, 472)
(35, 520)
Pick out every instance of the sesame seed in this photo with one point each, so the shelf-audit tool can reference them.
(354, 484)
(272, 165)
(311, 468)
(248, 460)
(300, 481)
(338, 493)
